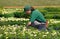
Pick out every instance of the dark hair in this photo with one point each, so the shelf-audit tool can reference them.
(32, 8)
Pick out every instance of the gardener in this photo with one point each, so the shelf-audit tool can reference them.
(37, 19)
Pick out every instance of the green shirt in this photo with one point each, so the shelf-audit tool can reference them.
(36, 15)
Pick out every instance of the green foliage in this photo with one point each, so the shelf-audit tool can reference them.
(1, 15)
(55, 26)
(16, 29)
(48, 12)
(52, 16)
(12, 22)
(56, 16)
(52, 9)
(8, 15)
(20, 32)
(42, 11)
(17, 14)
(21, 15)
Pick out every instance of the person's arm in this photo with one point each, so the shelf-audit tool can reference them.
(29, 23)
(33, 17)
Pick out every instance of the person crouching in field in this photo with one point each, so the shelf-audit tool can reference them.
(37, 19)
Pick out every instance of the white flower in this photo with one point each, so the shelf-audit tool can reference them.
(16, 19)
(1, 35)
(26, 19)
(44, 35)
(35, 35)
(9, 25)
(24, 28)
(6, 37)
(6, 20)
(31, 34)
(13, 20)
(14, 28)
(24, 23)
(47, 33)
(34, 32)
(54, 33)
(12, 32)
(6, 32)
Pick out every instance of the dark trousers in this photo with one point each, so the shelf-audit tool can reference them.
(38, 25)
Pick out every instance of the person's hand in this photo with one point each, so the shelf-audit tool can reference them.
(29, 23)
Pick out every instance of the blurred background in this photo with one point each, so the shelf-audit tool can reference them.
(12, 16)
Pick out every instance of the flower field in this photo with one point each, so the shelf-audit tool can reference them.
(22, 32)
(13, 24)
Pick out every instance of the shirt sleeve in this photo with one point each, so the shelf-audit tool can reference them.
(33, 17)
